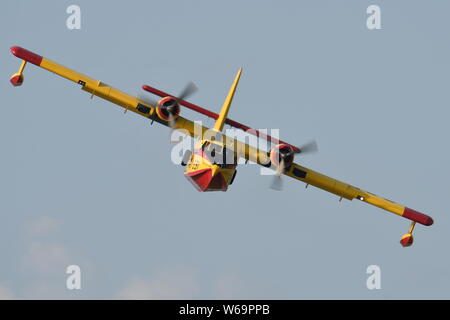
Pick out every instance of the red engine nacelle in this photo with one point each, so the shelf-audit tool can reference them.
(283, 152)
(167, 106)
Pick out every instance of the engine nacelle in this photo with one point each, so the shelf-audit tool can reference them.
(283, 152)
(167, 105)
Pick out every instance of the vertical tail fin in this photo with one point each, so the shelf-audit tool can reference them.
(226, 105)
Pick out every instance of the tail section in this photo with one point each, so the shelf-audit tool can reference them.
(220, 122)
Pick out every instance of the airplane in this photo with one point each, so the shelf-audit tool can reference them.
(211, 165)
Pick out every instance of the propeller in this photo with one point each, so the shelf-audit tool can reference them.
(277, 181)
(187, 91)
(309, 147)
(171, 108)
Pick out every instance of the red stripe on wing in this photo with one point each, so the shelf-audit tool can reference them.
(26, 55)
(417, 216)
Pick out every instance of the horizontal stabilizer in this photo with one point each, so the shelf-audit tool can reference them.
(215, 116)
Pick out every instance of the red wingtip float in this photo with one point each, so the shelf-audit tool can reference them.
(407, 240)
(27, 56)
(202, 168)
(16, 79)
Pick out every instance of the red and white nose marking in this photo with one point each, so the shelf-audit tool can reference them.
(208, 179)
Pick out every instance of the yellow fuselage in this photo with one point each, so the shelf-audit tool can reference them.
(211, 167)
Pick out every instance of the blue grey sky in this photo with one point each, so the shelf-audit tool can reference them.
(82, 183)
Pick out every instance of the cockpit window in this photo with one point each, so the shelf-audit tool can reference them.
(218, 154)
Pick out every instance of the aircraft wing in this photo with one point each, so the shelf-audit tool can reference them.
(347, 191)
(129, 102)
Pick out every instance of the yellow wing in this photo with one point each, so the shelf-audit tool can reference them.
(350, 192)
(129, 102)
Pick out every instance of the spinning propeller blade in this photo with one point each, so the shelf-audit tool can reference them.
(310, 147)
(277, 181)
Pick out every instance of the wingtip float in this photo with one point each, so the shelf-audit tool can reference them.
(201, 170)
